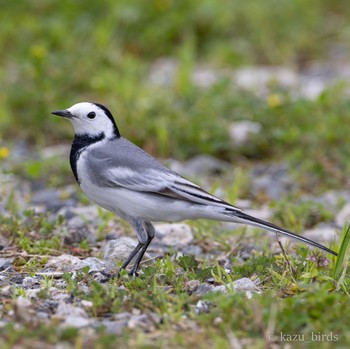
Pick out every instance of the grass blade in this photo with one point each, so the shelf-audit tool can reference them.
(342, 254)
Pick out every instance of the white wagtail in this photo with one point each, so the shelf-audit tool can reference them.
(124, 179)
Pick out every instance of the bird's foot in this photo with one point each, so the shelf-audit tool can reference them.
(111, 276)
(108, 276)
(133, 273)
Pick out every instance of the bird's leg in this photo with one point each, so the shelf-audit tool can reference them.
(132, 255)
(150, 235)
(125, 264)
(145, 233)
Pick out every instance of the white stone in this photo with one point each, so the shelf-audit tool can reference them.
(321, 233)
(163, 72)
(205, 77)
(199, 165)
(64, 262)
(29, 281)
(65, 310)
(76, 321)
(94, 264)
(33, 293)
(257, 78)
(241, 132)
(23, 303)
(6, 291)
(67, 262)
(176, 234)
(55, 150)
(118, 249)
(343, 217)
(202, 307)
(312, 87)
(241, 285)
(87, 304)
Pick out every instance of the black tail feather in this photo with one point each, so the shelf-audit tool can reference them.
(274, 228)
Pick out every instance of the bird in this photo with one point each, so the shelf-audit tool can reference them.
(124, 179)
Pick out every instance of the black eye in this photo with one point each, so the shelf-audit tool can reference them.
(91, 115)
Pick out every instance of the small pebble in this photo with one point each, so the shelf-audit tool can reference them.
(29, 281)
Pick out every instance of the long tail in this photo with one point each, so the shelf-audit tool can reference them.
(245, 218)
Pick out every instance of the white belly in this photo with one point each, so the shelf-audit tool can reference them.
(142, 205)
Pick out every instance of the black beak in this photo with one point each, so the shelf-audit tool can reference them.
(64, 113)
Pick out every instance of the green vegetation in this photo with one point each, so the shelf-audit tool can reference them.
(299, 296)
(304, 293)
(57, 53)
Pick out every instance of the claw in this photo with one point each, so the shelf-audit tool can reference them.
(108, 276)
(133, 273)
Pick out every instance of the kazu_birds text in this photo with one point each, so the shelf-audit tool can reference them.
(122, 178)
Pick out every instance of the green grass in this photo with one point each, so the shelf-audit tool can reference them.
(302, 293)
(65, 53)
(303, 300)
(58, 53)
(343, 258)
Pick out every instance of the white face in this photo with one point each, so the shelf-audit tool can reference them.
(88, 118)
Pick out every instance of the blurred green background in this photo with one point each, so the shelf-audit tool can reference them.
(57, 53)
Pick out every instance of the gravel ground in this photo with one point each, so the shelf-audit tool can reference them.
(82, 222)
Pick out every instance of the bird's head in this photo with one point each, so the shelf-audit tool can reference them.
(91, 119)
